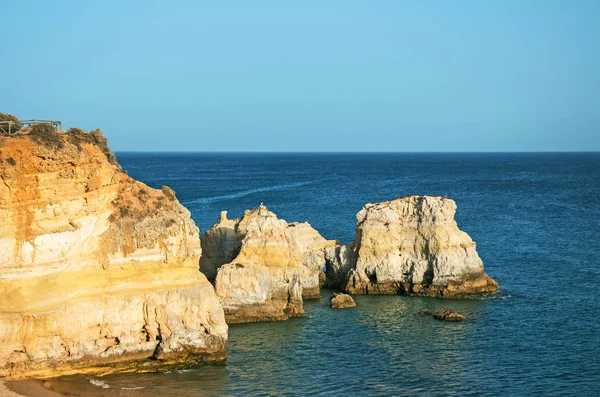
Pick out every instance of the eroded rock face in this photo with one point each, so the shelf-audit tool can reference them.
(262, 265)
(412, 246)
(221, 244)
(339, 259)
(98, 272)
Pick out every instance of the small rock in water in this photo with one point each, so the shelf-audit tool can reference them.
(341, 301)
(425, 313)
(446, 314)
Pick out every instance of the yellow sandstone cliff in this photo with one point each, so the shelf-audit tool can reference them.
(98, 272)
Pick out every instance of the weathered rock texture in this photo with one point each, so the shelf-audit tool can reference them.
(263, 266)
(341, 301)
(411, 246)
(446, 314)
(339, 259)
(98, 272)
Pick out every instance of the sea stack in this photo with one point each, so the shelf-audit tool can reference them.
(263, 266)
(98, 272)
(410, 245)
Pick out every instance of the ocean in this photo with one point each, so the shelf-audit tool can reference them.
(536, 221)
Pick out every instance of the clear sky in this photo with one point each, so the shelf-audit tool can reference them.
(337, 75)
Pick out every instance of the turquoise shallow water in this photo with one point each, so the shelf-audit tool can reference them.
(535, 218)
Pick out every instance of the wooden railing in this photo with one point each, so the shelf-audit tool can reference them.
(13, 127)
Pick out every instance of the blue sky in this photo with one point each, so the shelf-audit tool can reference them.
(344, 75)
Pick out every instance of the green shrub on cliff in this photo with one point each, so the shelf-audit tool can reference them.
(77, 137)
(16, 125)
(47, 135)
(95, 137)
(101, 141)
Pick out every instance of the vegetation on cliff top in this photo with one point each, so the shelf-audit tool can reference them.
(9, 117)
(47, 135)
(51, 138)
(95, 137)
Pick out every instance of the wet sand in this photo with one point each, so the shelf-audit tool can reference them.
(27, 388)
(5, 392)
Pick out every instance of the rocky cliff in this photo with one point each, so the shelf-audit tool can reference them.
(98, 272)
(412, 246)
(263, 266)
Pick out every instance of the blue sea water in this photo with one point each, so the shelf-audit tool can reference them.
(536, 221)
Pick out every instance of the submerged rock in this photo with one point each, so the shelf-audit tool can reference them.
(263, 266)
(98, 272)
(411, 246)
(341, 301)
(446, 314)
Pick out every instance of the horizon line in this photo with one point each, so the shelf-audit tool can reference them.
(355, 152)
